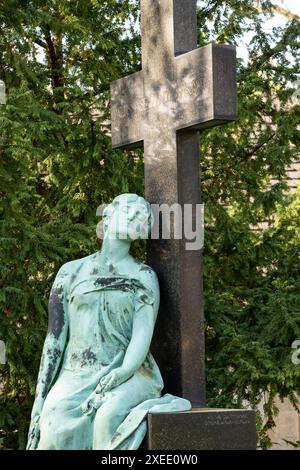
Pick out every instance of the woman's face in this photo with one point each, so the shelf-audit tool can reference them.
(129, 221)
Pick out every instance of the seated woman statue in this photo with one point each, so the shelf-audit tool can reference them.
(97, 378)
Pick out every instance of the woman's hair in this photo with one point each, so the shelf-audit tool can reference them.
(127, 199)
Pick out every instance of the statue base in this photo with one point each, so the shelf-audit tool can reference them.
(202, 429)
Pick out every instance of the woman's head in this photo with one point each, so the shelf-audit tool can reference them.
(128, 217)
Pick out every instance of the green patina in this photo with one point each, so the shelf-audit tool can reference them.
(98, 379)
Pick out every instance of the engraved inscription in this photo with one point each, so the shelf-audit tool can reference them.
(227, 419)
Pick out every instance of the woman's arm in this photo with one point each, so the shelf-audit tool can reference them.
(53, 350)
(142, 332)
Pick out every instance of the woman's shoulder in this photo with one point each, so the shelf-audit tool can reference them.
(147, 276)
(148, 286)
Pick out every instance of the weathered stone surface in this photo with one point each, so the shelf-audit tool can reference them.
(287, 425)
(205, 429)
(180, 90)
(199, 91)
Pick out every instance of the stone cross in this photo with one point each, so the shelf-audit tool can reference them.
(180, 90)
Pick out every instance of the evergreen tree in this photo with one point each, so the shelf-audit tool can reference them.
(57, 165)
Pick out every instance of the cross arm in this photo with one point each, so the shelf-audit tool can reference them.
(206, 87)
(127, 110)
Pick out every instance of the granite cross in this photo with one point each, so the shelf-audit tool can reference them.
(180, 90)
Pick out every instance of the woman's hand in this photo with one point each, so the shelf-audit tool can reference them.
(92, 404)
(113, 379)
(108, 382)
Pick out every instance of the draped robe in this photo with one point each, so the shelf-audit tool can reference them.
(100, 312)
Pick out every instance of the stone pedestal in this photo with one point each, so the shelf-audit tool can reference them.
(202, 429)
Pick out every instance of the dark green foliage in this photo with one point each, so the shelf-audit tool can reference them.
(57, 60)
(57, 165)
(252, 278)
